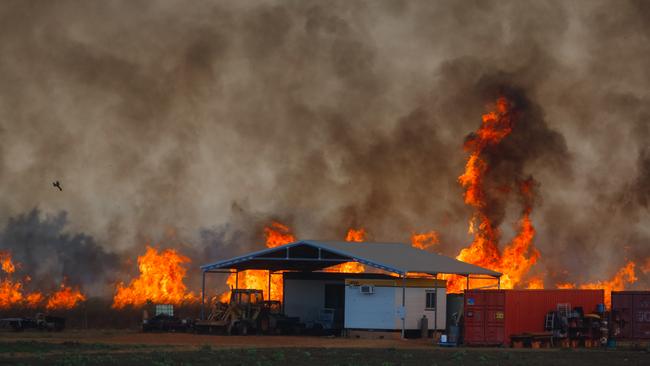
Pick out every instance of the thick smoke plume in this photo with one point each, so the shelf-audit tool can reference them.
(51, 256)
(193, 125)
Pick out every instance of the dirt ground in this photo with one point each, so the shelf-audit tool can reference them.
(123, 337)
(118, 347)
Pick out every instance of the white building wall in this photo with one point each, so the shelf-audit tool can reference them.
(375, 311)
(381, 310)
(416, 307)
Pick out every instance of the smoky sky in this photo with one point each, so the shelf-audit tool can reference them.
(197, 123)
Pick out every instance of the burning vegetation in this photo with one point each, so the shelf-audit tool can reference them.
(162, 273)
(13, 293)
(276, 234)
(161, 280)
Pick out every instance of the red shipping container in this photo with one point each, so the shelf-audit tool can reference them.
(492, 316)
(633, 308)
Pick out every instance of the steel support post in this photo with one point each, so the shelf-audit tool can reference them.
(403, 312)
(435, 312)
(203, 297)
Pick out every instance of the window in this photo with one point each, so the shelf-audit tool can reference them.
(431, 300)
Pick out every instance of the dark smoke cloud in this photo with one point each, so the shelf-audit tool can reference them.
(212, 119)
(44, 251)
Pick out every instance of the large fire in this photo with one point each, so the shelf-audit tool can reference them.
(12, 292)
(160, 281)
(65, 298)
(625, 275)
(353, 235)
(276, 234)
(518, 256)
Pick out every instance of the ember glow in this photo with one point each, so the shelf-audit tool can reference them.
(518, 256)
(5, 263)
(160, 280)
(356, 235)
(276, 234)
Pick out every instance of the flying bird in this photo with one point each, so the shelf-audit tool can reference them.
(57, 185)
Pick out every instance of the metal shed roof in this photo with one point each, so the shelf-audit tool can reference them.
(311, 255)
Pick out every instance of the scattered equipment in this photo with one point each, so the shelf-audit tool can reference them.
(40, 322)
(247, 312)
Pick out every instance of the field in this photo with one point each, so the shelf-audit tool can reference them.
(132, 348)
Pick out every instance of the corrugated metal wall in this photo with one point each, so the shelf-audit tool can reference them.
(633, 308)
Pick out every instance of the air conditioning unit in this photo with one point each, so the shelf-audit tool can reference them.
(367, 289)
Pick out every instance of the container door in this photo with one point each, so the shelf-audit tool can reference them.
(622, 304)
(495, 318)
(484, 317)
(641, 321)
(474, 318)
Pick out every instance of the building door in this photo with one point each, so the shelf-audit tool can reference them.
(335, 299)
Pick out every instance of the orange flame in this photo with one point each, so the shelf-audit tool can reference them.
(565, 285)
(425, 241)
(353, 235)
(536, 283)
(12, 292)
(625, 275)
(160, 281)
(276, 234)
(34, 299)
(64, 298)
(6, 263)
(356, 235)
(520, 254)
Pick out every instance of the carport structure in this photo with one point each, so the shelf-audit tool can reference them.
(312, 255)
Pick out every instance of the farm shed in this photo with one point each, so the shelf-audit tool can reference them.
(363, 301)
(399, 263)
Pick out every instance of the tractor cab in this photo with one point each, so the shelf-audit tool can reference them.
(246, 297)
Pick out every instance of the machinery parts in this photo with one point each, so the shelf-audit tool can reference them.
(247, 312)
(40, 322)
